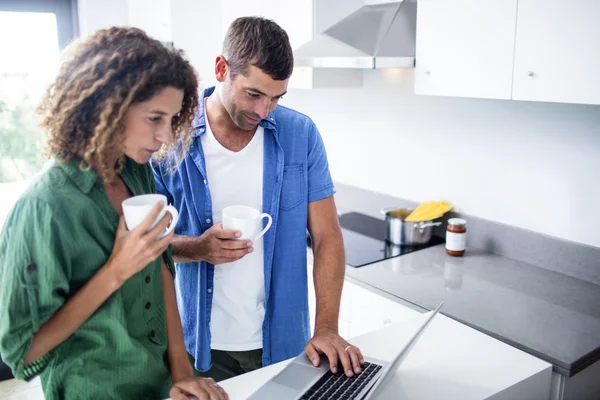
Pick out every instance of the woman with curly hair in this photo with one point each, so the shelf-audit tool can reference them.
(85, 303)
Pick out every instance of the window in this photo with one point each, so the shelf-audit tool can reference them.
(31, 36)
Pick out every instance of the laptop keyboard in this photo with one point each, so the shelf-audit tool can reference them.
(339, 386)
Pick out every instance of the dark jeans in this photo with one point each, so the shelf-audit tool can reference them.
(227, 364)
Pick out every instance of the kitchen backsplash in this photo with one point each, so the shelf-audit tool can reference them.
(525, 164)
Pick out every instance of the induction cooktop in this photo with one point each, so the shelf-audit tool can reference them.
(364, 240)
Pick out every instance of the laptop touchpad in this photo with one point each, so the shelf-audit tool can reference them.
(298, 376)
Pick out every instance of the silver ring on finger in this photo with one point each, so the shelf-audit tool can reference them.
(347, 347)
(215, 385)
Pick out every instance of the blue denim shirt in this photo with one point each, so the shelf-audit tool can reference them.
(296, 172)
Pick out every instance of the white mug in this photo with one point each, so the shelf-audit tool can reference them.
(136, 208)
(247, 220)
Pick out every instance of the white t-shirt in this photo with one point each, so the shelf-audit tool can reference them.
(238, 306)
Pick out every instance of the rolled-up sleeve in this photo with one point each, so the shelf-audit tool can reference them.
(320, 184)
(33, 281)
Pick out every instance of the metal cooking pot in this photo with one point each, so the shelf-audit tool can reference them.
(403, 233)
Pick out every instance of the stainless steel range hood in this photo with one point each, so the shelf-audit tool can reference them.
(374, 36)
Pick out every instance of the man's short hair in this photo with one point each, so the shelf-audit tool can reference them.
(259, 42)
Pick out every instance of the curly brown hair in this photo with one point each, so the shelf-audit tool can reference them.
(101, 76)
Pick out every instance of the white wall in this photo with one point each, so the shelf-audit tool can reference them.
(192, 25)
(531, 165)
(154, 16)
(94, 14)
(197, 29)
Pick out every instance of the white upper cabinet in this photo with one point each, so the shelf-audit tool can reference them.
(465, 48)
(557, 55)
(539, 50)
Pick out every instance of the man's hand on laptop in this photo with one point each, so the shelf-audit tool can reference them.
(338, 351)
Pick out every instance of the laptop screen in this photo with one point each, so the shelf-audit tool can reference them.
(390, 369)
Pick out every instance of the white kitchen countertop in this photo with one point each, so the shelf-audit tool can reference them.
(450, 361)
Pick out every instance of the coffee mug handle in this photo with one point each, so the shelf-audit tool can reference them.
(174, 217)
(264, 215)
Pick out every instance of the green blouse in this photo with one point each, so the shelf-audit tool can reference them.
(58, 235)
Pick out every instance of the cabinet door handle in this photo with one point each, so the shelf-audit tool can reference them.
(530, 73)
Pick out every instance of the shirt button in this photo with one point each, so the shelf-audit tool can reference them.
(209, 290)
(148, 279)
(201, 129)
(205, 182)
(152, 333)
(208, 220)
(148, 305)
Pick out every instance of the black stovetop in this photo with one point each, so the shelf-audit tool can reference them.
(364, 240)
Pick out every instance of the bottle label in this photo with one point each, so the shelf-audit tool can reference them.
(456, 241)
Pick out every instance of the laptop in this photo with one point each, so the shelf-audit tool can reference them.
(301, 380)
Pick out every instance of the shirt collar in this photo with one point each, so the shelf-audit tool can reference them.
(84, 179)
(199, 122)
